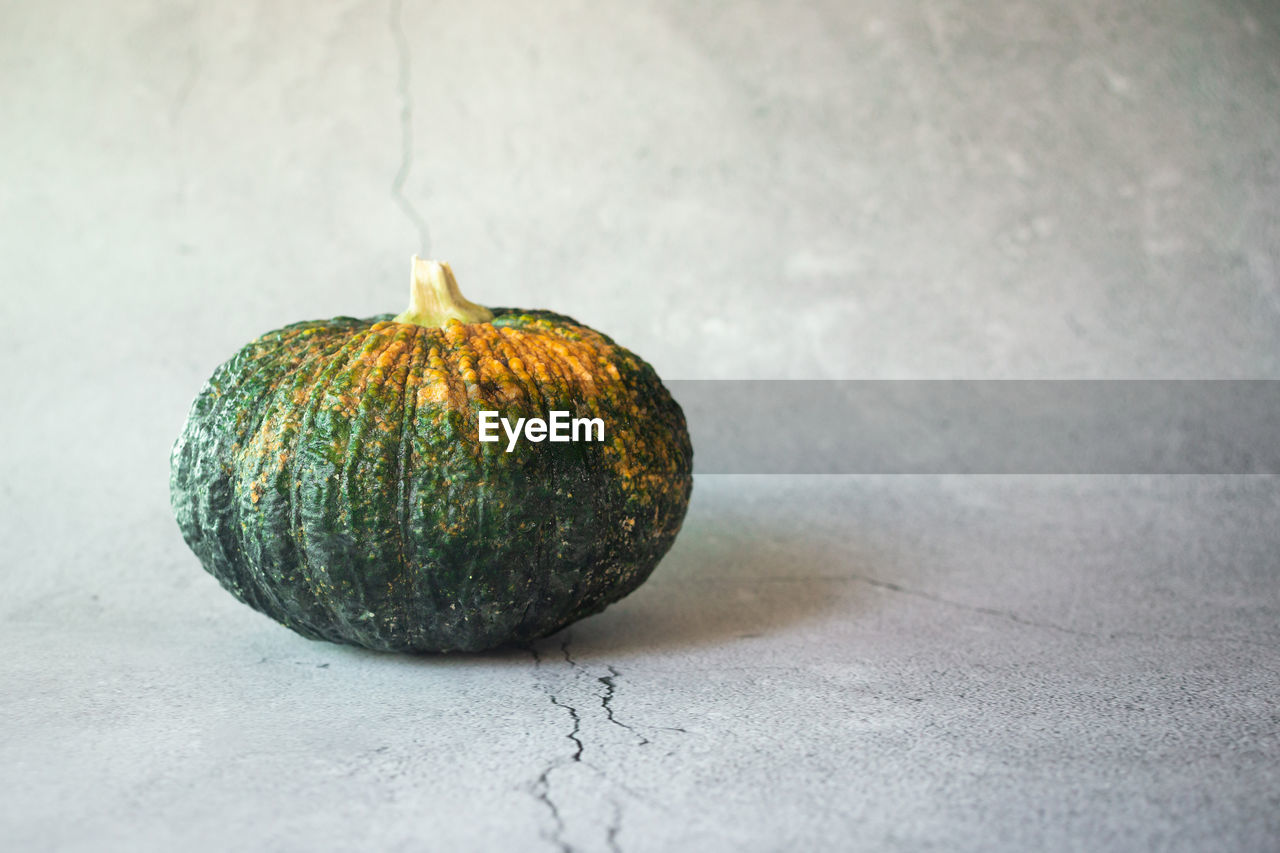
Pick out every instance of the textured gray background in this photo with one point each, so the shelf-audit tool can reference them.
(823, 189)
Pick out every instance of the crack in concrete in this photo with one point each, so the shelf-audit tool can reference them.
(541, 787)
(606, 702)
(542, 791)
(606, 699)
(577, 727)
(614, 827)
(564, 650)
(973, 608)
(1050, 626)
(404, 76)
(949, 602)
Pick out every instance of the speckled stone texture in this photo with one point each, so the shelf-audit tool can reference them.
(821, 189)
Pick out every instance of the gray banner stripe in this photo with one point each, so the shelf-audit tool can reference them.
(983, 426)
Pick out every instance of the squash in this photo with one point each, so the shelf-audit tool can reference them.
(331, 476)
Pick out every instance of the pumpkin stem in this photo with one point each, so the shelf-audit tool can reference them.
(434, 298)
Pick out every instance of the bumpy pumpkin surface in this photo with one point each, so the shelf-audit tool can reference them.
(331, 476)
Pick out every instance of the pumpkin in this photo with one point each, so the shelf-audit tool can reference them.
(331, 474)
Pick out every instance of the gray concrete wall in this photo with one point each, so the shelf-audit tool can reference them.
(821, 189)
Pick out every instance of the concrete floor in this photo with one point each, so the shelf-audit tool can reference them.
(762, 190)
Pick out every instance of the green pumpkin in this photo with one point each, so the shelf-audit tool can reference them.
(331, 474)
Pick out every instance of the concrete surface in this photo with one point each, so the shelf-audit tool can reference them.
(753, 190)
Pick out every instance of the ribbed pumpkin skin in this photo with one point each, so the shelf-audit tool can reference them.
(330, 476)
